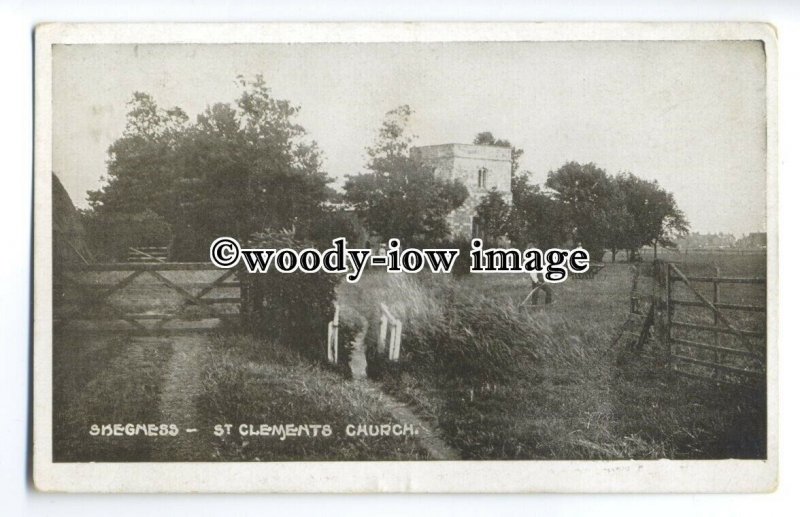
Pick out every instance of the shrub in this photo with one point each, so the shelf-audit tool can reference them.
(293, 308)
(472, 342)
(464, 246)
(467, 340)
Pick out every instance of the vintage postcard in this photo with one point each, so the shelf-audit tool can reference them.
(405, 258)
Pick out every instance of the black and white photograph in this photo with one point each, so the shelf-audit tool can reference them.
(505, 249)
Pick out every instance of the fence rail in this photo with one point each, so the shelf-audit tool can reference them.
(86, 292)
(148, 254)
(721, 306)
(729, 364)
(723, 280)
(152, 266)
(394, 327)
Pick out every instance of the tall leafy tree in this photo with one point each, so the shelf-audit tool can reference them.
(238, 169)
(585, 193)
(652, 216)
(494, 215)
(620, 234)
(536, 218)
(400, 197)
(140, 168)
(620, 212)
(393, 141)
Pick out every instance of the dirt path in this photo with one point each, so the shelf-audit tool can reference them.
(358, 356)
(429, 435)
(182, 385)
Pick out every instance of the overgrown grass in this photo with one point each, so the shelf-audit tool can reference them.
(248, 381)
(501, 382)
(101, 380)
(106, 380)
(575, 399)
(694, 418)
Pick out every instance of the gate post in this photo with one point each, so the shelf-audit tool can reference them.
(717, 335)
(668, 305)
(246, 304)
(662, 311)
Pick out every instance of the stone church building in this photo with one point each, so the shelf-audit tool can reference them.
(480, 168)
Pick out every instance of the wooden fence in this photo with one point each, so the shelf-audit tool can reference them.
(148, 254)
(394, 328)
(145, 298)
(698, 348)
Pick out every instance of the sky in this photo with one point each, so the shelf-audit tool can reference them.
(691, 115)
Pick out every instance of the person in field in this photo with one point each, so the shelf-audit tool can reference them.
(538, 283)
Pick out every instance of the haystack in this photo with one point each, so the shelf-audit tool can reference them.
(69, 236)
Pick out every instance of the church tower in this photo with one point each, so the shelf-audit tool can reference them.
(480, 168)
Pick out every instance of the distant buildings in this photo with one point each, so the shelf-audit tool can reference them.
(753, 240)
(720, 240)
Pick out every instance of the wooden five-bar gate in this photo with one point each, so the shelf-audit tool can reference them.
(722, 349)
(145, 298)
(690, 328)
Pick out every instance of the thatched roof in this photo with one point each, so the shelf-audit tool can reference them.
(69, 236)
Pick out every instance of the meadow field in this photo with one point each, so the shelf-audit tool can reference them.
(577, 394)
(494, 380)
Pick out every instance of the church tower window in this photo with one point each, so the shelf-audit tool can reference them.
(482, 177)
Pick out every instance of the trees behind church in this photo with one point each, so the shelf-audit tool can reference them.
(239, 168)
(246, 166)
(583, 205)
(399, 196)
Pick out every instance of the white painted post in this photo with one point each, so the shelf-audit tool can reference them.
(330, 341)
(333, 336)
(395, 328)
(336, 333)
(336, 346)
(382, 336)
(392, 338)
(398, 327)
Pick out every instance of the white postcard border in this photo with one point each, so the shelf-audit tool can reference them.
(431, 476)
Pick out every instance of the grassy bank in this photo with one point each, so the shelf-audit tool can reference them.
(248, 381)
(203, 381)
(105, 380)
(571, 396)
